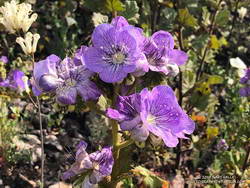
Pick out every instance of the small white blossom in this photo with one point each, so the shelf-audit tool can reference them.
(242, 12)
(29, 43)
(26, 83)
(16, 16)
(239, 64)
(99, 18)
(173, 69)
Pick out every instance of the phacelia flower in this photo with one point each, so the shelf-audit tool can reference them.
(245, 80)
(64, 78)
(4, 59)
(16, 17)
(99, 164)
(14, 81)
(116, 50)
(156, 112)
(222, 145)
(127, 112)
(161, 55)
(29, 43)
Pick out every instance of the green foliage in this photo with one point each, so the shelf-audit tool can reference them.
(131, 12)
(222, 18)
(185, 18)
(114, 5)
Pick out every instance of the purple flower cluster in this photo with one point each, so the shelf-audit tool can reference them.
(98, 164)
(245, 80)
(156, 112)
(222, 145)
(67, 78)
(119, 48)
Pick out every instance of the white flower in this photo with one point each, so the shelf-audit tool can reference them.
(16, 16)
(99, 18)
(26, 83)
(173, 69)
(242, 12)
(239, 64)
(29, 43)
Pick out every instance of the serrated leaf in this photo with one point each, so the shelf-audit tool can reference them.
(215, 80)
(186, 18)
(222, 17)
(216, 43)
(131, 12)
(114, 5)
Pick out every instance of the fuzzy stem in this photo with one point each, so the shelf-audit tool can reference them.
(42, 142)
(115, 140)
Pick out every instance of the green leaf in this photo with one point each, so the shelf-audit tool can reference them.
(131, 12)
(150, 179)
(186, 18)
(222, 17)
(215, 80)
(114, 5)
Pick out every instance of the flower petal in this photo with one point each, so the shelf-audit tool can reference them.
(47, 66)
(102, 35)
(94, 59)
(88, 90)
(178, 57)
(66, 95)
(119, 22)
(163, 39)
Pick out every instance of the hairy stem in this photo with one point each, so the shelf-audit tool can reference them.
(115, 140)
(42, 142)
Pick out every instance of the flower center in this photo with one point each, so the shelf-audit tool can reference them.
(118, 58)
(96, 166)
(151, 119)
(70, 82)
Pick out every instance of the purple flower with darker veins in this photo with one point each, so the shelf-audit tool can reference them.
(245, 91)
(116, 50)
(98, 164)
(14, 81)
(156, 112)
(161, 55)
(64, 78)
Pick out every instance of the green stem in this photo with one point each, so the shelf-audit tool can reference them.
(125, 144)
(115, 140)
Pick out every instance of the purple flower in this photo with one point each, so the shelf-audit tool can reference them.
(78, 58)
(156, 112)
(116, 50)
(99, 164)
(222, 145)
(127, 112)
(160, 53)
(64, 78)
(245, 80)
(4, 59)
(14, 81)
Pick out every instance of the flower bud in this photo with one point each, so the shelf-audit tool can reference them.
(29, 43)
